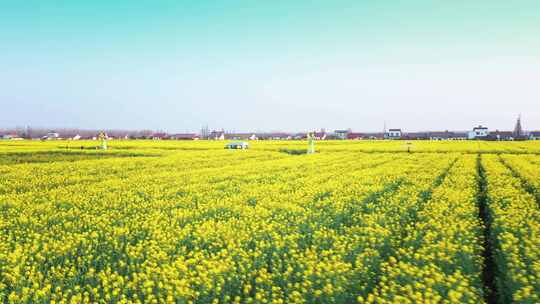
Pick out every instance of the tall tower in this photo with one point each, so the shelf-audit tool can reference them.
(518, 130)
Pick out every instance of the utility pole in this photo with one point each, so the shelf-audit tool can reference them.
(204, 132)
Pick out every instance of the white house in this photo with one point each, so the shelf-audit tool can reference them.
(479, 132)
(393, 134)
(51, 135)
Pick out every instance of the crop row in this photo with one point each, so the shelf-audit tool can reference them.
(439, 259)
(515, 232)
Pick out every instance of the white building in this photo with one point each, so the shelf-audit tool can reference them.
(535, 135)
(393, 134)
(51, 135)
(479, 132)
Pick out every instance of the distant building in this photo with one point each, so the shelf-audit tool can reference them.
(446, 135)
(184, 136)
(217, 135)
(439, 135)
(374, 136)
(241, 136)
(415, 135)
(534, 135)
(319, 135)
(276, 136)
(51, 136)
(342, 134)
(479, 132)
(501, 135)
(459, 136)
(352, 135)
(393, 134)
(299, 136)
(160, 136)
(13, 136)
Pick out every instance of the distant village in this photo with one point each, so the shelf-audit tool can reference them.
(476, 133)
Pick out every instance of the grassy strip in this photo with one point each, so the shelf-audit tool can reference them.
(61, 156)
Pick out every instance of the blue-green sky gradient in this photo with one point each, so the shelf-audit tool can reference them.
(270, 65)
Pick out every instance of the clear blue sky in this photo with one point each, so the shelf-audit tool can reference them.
(270, 65)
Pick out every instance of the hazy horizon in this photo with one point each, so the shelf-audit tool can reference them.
(282, 65)
(231, 131)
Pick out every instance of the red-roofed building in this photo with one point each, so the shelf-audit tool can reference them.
(160, 136)
(275, 136)
(352, 135)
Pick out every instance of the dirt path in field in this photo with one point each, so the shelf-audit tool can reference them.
(489, 269)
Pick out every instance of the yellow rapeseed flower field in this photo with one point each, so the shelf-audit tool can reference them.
(191, 222)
